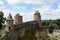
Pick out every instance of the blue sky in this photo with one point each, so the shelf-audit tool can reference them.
(49, 9)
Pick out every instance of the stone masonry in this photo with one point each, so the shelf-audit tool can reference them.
(16, 28)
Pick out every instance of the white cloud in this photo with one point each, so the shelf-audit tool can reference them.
(40, 2)
(26, 16)
(19, 8)
(12, 1)
(48, 13)
(1, 2)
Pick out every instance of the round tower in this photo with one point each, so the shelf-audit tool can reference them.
(37, 17)
(17, 19)
(9, 22)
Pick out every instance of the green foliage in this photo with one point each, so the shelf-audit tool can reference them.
(2, 19)
(2, 32)
(55, 23)
(58, 21)
(29, 36)
(46, 22)
(51, 27)
(32, 35)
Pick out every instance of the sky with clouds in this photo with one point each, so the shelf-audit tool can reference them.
(49, 9)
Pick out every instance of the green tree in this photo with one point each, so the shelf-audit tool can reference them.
(2, 19)
(46, 22)
(51, 27)
(58, 21)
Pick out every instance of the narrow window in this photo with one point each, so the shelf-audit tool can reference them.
(9, 28)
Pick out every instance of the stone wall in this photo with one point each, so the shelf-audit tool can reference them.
(14, 34)
(18, 19)
(30, 27)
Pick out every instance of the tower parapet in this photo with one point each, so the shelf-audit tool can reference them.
(17, 19)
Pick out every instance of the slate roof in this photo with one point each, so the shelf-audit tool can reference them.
(9, 17)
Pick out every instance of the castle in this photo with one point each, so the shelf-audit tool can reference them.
(17, 28)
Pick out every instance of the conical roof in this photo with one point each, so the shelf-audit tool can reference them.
(9, 17)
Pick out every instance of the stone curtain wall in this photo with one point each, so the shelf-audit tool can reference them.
(30, 27)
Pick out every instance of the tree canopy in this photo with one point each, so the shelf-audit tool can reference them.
(58, 22)
(2, 19)
(51, 27)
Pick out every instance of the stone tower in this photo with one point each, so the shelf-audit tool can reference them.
(37, 17)
(9, 22)
(17, 19)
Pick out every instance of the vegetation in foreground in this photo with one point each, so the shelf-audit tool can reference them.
(35, 35)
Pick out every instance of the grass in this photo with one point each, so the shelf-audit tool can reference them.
(2, 32)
